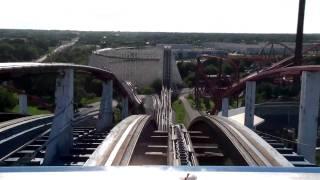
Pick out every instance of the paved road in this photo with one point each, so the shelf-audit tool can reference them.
(58, 49)
(191, 113)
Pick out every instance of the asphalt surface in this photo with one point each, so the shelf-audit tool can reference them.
(58, 49)
(191, 113)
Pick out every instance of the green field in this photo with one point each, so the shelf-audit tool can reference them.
(85, 101)
(180, 111)
(32, 110)
(205, 104)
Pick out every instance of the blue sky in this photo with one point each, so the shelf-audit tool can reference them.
(243, 16)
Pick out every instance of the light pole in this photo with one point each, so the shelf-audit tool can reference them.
(299, 35)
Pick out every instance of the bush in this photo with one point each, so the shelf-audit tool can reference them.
(7, 100)
(179, 110)
(157, 86)
(147, 90)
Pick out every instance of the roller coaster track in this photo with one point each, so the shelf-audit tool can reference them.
(218, 142)
(288, 152)
(183, 152)
(153, 139)
(289, 71)
(238, 144)
(23, 140)
(117, 148)
(225, 86)
(208, 141)
(8, 70)
(136, 140)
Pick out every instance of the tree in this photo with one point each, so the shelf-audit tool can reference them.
(6, 52)
(206, 102)
(7, 100)
(211, 69)
(147, 90)
(157, 86)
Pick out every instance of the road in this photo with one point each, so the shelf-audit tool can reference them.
(191, 113)
(58, 49)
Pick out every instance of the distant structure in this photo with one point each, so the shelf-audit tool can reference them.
(188, 52)
(222, 49)
(141, 66)
(248, 49)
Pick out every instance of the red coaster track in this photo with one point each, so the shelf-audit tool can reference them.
(221, 85)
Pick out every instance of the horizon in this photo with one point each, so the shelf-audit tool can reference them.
(156, 32)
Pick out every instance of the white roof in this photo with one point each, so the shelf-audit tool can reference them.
(240, 119)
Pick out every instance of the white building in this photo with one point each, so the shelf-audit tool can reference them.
(141, 66)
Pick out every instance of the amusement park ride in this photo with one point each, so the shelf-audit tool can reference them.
(89, 144)
(268, 65)
(220, 85)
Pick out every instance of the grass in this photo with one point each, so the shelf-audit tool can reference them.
(233, 102)
(32, 110)
(203, 107)
(86, 101)
(191, 101)
(117, 115)
(179, 111)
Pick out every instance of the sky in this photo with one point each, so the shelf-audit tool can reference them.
(216, 16)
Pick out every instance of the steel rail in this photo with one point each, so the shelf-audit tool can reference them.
(278, 68)
(22, 68)
(262, 150)
(253, 149)
(20, 121)
(118, 146)
(182, 149)
(13, 130)
(129, 144)
(285, 71)
(15, 133)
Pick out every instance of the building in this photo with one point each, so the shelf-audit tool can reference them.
(141, 66)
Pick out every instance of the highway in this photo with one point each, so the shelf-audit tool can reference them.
(57, 50)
